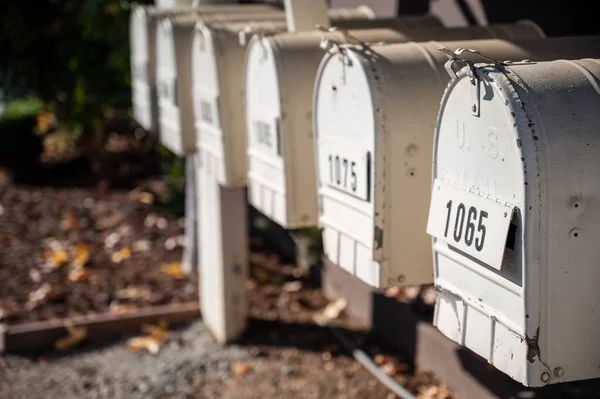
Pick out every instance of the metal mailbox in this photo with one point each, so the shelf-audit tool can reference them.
(280, 73)
(514, 217)
(218, 52)
(375, 113)
(142, 27)
(174, 75)
(217, 74)
(176, 3)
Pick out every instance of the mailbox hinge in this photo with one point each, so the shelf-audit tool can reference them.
(471, 72)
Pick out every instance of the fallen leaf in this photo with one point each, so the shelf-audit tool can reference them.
(170, 243)
(242, 368)
(150, 221)
(434, 392)
(110, 222)
(173, 270)
(79, 274)
(141, 246)
(35, 275)
(125, 253)
(82, 254)
(292, 286)
(162, 223)
(69, 222)
(146, 198)
(76, 335)
(428, 295)
(119, 309)
(44, 293)
(56, 258)
(150, 344)
(389, 365)
(332, 311)
(46, 120)
(155, 338)
(134, 293)
(111, 240)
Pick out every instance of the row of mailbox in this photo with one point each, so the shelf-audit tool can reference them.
(339, 129)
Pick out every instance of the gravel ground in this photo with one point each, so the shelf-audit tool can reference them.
(193, 365)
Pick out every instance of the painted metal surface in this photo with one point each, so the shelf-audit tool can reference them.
(218, 52)
(223, 249)
(143, 23)
(174, 74)
(532, 148)
(385, 100)
(280, 73)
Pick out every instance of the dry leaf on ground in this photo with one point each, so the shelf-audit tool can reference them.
(134, 293)
(82, 254)
(76, 335)
(242, 368)
(332, 311)
(173, 270)
(155, 338)
(79, 274)
(44, 293)
(110, 222)
(434, 392)
(121, 255)
(146, 198)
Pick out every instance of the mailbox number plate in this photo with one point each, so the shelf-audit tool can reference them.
(345, 168)
(473, 224)
(266, 135)
(207, 108)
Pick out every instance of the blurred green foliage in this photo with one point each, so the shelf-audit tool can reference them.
(73, 54)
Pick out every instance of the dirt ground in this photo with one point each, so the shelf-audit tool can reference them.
(47, 235)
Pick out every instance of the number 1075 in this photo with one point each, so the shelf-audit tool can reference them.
(340, 169)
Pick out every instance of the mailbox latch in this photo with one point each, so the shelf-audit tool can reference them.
(471, 72)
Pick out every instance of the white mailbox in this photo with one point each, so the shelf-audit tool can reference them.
(375, 114)
(514, 217)
(280, 73)
(218, 52)
(217, 74)
(176, 3)
(143, 23)
(174, 75)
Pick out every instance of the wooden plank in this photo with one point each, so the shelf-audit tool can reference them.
(223, 248)
(100, 327)
(189, 260)
(304, 15)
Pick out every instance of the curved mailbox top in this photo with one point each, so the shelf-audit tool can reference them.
(514, 219)
(143, 23)
(404, 84)
(218, 52)
(174, 45)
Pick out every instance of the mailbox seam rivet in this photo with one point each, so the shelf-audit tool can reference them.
(545, 377)
(559, 372)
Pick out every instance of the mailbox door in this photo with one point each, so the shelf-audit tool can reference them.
(526, 154)
(206, 95)
(166, 88)
(218, 90)
(266, 177)
(142, 84)
(345, 150)
(479, 247)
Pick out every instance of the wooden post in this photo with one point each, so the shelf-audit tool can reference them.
(304, 15)
(223, 248)
(189, 260)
